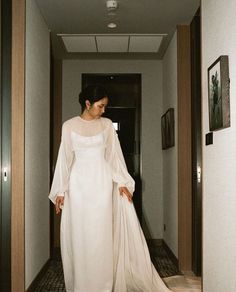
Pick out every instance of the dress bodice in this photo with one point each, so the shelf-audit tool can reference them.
(88, 147)
(89, 144)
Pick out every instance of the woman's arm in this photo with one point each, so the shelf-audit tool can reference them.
(59, 203)
(61, 176)
(124, 190)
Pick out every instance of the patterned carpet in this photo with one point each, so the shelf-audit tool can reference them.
(162, 262)
(53, 279)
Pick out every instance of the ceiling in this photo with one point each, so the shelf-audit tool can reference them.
(142, 25)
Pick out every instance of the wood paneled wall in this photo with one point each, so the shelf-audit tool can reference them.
(18, 147)
(184, 148)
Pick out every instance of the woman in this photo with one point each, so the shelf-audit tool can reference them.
(102, 244)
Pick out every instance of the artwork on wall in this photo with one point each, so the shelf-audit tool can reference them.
(168, 129)
(218, 94)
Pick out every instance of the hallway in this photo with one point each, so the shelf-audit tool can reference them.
(55, 56)
(53, 280)
(187, 196)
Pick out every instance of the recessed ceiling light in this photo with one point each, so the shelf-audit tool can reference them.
(111, 5)
(112, 25)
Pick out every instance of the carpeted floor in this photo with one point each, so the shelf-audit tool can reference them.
(53, 279)
(162, 262)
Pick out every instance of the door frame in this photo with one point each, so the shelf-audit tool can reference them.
(55, 139)
(184, 149)
(137, 80)
(5, 121)
(196, 143)
(18, 146)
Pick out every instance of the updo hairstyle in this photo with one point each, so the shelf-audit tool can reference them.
(92, 93)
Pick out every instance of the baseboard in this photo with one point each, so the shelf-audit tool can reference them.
(170, 253)
(153, 242)
(38, 278)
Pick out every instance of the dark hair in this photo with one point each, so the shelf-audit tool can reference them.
(92, 93)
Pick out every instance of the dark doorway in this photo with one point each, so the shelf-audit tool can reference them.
(124, 109)
(196, 144)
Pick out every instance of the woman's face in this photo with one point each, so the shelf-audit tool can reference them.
(97, 108)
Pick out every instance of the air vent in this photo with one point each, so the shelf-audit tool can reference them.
(112, 43)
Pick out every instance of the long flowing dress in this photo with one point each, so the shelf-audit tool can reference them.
(102, 244)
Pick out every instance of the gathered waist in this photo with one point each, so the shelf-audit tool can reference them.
(90, 153)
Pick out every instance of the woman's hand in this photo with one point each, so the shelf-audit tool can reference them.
(126, 192)
(59, 203)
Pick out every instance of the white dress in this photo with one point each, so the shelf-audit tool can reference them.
(102, 244)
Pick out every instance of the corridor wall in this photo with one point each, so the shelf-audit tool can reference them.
(36, 142)
(170, 156)
(219, 159)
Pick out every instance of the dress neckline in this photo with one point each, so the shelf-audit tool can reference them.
(88, 121)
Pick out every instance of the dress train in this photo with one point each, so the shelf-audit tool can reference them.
(133, 269)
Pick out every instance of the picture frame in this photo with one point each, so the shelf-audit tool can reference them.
(219, 94)
(168, 129)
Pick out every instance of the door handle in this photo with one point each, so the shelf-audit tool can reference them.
(199, 173)
(5, 174)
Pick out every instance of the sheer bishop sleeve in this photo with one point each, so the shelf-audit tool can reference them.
(61, 176)
(115, 159)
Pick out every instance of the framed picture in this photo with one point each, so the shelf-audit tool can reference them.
(168, 129)
(218, 94)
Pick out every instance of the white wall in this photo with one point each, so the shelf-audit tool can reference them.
(151, 71)
(219, 159)
(170, 171)
(36, 142)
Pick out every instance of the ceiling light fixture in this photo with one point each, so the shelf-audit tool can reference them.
(112, 25)
(111, 5)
